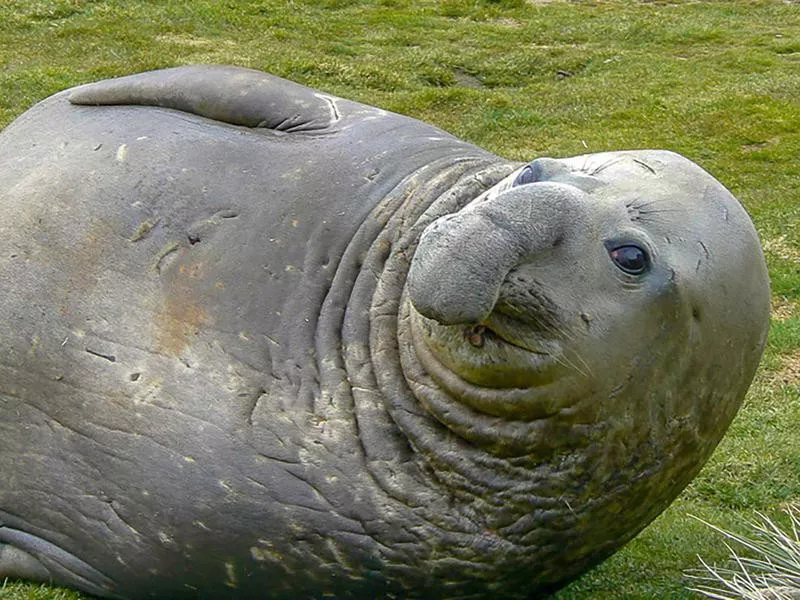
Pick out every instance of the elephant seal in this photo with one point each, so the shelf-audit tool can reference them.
(259, 341)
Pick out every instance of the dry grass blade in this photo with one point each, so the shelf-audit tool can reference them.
(769, 569)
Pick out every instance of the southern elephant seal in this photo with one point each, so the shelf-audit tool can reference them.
(259, 341)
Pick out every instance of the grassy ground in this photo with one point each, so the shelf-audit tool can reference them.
(716, 81)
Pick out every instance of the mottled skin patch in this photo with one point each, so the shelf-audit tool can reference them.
(177, 324)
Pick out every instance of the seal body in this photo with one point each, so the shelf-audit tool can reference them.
(232, 365)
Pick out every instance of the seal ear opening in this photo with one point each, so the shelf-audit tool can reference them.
(231, 95)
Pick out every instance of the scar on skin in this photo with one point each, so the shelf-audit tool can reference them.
(143, 230)
(159, 263)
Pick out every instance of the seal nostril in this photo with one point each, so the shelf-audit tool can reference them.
(696, 313)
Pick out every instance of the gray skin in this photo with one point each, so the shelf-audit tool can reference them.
(233, 365)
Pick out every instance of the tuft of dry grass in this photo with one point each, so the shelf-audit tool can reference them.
(768, 567)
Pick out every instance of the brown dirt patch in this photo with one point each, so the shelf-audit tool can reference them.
(790, 373)
(781, 248)
(783, 309)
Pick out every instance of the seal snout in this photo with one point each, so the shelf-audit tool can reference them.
(462, 260)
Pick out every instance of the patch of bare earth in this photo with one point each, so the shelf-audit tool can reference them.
(790, 373)
(187, 40)
(782, 248)
(783, 308)
(761, 145)
(506, 22)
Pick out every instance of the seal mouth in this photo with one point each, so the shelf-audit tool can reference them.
(479, 335)
(499, 352)
(508, 330)
(487, 369)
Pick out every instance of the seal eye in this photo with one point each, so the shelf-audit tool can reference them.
(631, 259)
(525, 176)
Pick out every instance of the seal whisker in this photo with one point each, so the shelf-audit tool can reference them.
(565, 333)
(568, 363)
(605, 165)
(639, 204)
(563, 360)
(660, 210)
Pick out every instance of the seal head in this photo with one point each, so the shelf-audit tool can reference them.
(573, 281)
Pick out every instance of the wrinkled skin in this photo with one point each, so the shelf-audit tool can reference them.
(257, 341)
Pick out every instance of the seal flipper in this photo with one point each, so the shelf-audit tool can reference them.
(27, 556)
(232, 95)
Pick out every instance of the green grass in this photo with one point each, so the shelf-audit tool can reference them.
(716, 81)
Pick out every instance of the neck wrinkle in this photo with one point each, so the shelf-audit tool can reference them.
(351, 357)
(428, 447)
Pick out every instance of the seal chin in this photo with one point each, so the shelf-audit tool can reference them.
(491, 354)
(499, 352)
(498, 367)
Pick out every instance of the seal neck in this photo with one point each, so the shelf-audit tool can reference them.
(396, 402)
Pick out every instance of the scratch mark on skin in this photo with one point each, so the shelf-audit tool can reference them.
(256, 483)
(317, 494)
(54, 424)
(703, 246)
(230, 571)
(251, 403)
(646, 166)
(112, 508)
(279, 460)
(160, 263)
(605, 165)
(109, 357)
(335, 116)
(144, 230)
(115, 343)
